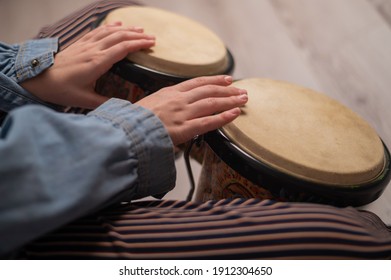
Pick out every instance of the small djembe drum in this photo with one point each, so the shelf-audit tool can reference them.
(184, 49)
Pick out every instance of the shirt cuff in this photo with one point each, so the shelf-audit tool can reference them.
(150, 141)
(35, 56)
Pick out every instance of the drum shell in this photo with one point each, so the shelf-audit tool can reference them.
(218, 181)
(231, 165)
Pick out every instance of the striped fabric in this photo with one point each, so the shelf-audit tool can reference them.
(226, 229)
(77, 24)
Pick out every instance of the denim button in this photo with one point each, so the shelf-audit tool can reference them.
(34, 63)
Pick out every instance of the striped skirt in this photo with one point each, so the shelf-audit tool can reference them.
(226, 229)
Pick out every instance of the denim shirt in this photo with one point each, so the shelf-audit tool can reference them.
(56, 167)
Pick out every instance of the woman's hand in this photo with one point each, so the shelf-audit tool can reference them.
(71, 80)
(196, 106)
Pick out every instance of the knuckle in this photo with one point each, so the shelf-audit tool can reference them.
(207, 124)
(230, 91)
(211, 88)
(204, 123)
(122, 35)
(201, 80)
(212, 102)
(106, 29)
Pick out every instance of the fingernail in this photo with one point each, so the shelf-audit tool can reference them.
(138, 29)
(228, 79)
(242, 91)
(116, 23)
(243, 97)
(236, 111)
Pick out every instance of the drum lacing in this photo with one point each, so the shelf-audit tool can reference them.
(196, 140)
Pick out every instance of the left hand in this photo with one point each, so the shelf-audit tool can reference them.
(71, 80)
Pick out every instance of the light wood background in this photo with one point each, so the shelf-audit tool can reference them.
(341, 48)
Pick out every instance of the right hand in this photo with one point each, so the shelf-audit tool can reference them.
(196, 106)
(71, 80)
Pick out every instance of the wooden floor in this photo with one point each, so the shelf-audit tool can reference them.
(341, 48)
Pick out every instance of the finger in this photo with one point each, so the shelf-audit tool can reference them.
(121, 50)
(213, 105)
(213, 91)
(122, 36)
(115, 23)
(222, 80)
(137, 29)
(213, 122)
(99, 30)
(203, 125)
(105, 31)
(132, 28)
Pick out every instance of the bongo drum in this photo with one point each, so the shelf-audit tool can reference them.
(184, 49)
(293, 144)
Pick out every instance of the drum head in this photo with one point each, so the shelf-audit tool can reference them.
(183, 47)
(306, 134)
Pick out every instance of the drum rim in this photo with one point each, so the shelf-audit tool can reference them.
(250, 168)
(129, 66)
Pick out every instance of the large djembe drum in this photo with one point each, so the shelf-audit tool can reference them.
(294, 144)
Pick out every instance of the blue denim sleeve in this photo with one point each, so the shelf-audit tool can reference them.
(57, 167)
(27, 60)
(20, 62)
